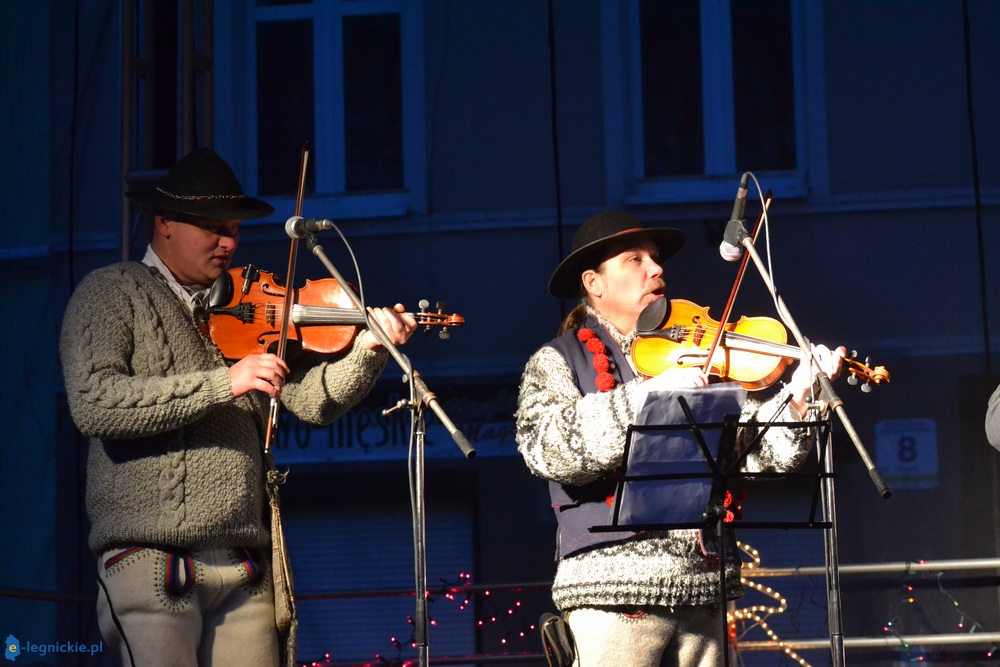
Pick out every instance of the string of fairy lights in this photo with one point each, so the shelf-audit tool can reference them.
(905, 612)
(756, 615)
(515, 633)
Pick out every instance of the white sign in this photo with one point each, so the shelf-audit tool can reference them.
(906, 453)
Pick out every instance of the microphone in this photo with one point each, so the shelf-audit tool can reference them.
(731, 247)
(298, 227)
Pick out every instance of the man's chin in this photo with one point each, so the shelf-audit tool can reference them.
(214, 271)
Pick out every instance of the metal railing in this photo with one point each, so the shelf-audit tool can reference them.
(890, 642)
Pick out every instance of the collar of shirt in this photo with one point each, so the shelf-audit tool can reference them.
(191, 296)
(624, 341)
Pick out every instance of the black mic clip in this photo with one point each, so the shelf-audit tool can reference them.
(731, 247)
(736, 232)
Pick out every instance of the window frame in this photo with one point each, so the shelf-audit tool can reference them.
(237, 65)
(626, 182)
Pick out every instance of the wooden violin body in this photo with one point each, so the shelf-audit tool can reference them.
(686, 337)
(323, 317)
(680, 334)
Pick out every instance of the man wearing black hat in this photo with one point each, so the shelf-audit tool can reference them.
(175, 473)
(642, 599)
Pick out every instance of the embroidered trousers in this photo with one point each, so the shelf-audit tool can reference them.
(187, 608)
(647, 637)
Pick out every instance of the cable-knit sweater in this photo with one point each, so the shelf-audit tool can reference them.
(574, 438)
(174, 458)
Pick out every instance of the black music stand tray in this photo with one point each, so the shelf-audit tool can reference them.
(680, 459)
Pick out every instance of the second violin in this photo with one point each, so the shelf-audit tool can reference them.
(679, 333)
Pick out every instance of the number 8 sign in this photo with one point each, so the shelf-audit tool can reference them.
(906, 450)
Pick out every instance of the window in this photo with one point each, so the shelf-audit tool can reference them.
(710, 89)
(346, 78)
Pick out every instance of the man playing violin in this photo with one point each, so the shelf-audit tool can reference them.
(176, 468)
(650, 598)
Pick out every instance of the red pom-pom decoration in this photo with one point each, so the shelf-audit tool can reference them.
(605, 381)
(733, 510)
(601, 363)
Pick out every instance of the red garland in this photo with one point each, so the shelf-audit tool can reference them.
(605, 381)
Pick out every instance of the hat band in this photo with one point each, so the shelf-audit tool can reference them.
(628, 231)
(196, 197)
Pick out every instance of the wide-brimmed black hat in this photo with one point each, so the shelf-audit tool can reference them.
(202, 184)
(595, 237)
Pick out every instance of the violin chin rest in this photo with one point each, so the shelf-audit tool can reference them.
(221, 293)
(652, 316)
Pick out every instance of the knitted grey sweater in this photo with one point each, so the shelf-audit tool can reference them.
(574, 439)
(174, 458)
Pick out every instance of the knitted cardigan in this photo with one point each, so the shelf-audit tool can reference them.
(575, 437)
(175, 459)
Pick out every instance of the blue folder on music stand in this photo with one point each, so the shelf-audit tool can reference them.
(675, 455)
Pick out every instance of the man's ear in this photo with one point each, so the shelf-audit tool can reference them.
(161, 227)
(593, 282)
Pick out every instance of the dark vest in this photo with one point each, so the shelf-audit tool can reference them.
(579, 508)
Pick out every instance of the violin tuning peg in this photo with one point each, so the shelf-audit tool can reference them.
(440, 306)
(866, 387)
(444, 335)
(427, 332)
(423, 303)
(852, 379)
(853, 354)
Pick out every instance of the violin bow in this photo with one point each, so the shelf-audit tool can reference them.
(736, 288)
(293, 253)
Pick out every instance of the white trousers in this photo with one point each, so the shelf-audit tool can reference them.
(187, 608)
(647, 637)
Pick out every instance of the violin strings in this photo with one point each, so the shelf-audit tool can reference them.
(315, 314)
(710, 333)
(336, 315)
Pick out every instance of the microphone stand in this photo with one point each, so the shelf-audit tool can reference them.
(834, 615)
(420, 396)
(824, 380)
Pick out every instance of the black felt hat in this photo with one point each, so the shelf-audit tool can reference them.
(202, 184)
(595, 237)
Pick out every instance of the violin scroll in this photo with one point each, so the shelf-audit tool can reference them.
(439, 319)
(858, 371)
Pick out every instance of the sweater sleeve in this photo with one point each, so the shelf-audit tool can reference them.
(781, 449)
(319, 390)
(993, 419)
(565, 436)
(123, 376)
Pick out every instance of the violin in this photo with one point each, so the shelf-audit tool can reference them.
(679, 333)
(323, 318)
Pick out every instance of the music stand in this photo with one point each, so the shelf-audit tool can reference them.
(679, 459)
